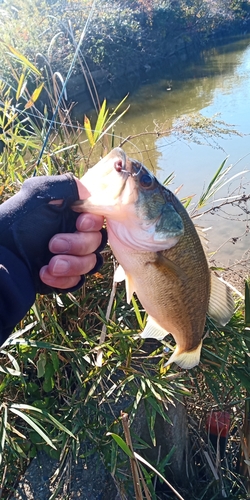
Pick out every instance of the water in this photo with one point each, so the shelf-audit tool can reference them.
(216, 81)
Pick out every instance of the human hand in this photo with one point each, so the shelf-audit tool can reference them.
(74, 251)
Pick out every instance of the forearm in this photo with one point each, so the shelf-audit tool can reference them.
(17, 292)
(27, 223)
(37, 225)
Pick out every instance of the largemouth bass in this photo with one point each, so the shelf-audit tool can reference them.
(160, 253)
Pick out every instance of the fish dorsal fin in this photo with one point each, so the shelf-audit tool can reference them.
(153, 331)
(221, 302)
(120, 275)
(162, 260)
(187, 359)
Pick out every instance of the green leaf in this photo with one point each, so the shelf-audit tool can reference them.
(117, 107)
(21, 86)
(25, 141)
(154, 392)
(169, 179)
(101, 119)
(3, 426)
(186, 201)
(113, 458)
(10, 371)
(34, 426)
(112, 124)
(150, 416)
(148, 476)
(210, 189)
(49, 382)
(167, 459)
(41, 364)
(247, 302)
(45, 414)
(158, 407)
(121, 443)
(141, 320)
(137, 400)
(38, 314)
(15, 446)
(55, 360)
(34, 96)
(244, 379)
(10, 121)
(141, 459)
(22, 59)
(88, 130)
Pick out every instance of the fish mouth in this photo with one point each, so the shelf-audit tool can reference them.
(121, 161)
(117, 160)
(125, 165)
(105, 182)
(115, 177)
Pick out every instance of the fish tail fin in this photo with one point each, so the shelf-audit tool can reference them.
(186, 359)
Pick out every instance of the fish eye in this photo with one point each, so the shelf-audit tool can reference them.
(146, 181)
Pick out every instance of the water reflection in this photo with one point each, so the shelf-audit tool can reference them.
(216, 81)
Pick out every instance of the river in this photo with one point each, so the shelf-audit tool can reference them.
(216, 81)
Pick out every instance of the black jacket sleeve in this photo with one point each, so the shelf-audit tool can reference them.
(27, 223)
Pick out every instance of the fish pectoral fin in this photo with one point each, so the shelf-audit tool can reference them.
(119, 274)
(153, 330)
(162, 260)
(221, 303)
(186, 359)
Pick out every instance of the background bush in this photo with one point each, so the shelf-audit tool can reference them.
(122, 35)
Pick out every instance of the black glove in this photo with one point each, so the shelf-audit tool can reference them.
(28, 222)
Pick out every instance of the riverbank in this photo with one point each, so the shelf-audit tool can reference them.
(124, 42)
(123, 83)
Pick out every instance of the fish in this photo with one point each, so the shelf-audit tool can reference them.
(161, 254)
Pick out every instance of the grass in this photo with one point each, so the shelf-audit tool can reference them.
(54, 394)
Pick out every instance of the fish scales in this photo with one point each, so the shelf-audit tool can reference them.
(171, 299)
(160, 251)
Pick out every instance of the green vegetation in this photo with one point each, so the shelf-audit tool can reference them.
(122, 37)
(71, 367)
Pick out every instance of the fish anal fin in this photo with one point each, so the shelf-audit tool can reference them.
(169, 265)
(186, 359)
(221, 303)
(153, 331)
